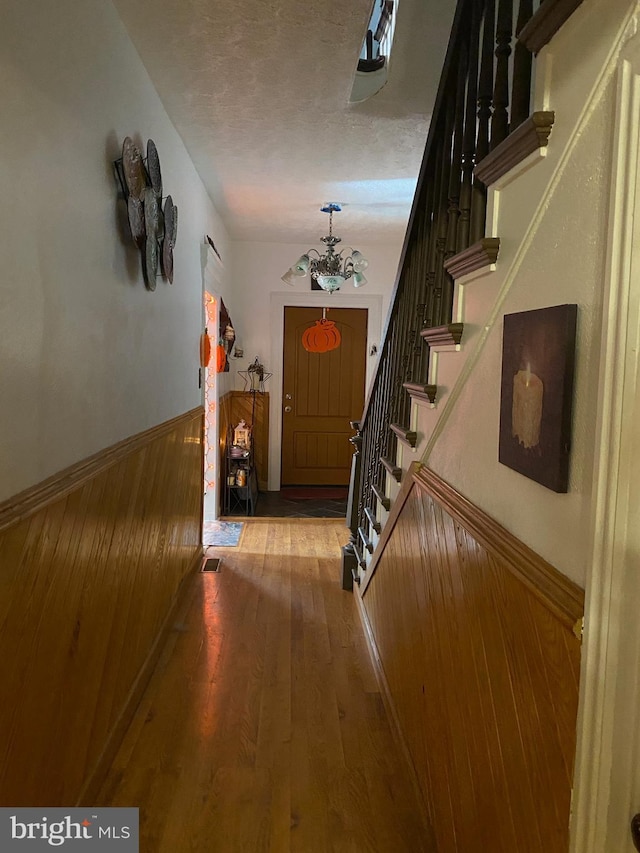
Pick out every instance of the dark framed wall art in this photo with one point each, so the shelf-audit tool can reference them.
(538, 356)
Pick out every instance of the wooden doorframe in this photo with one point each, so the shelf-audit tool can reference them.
(607, 779)
(278, 302)
(212, 270)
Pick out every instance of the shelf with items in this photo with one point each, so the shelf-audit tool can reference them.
(241, 482)
(241, 487)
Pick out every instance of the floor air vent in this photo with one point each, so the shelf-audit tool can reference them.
(212, 565)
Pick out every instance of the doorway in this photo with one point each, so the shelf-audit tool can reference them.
(321, 393)
(209, 385)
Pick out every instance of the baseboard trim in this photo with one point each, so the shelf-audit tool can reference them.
(96, 778)
(37, 497)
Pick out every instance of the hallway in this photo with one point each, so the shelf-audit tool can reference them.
(263, 728)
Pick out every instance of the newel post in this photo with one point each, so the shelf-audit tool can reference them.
(349, 558)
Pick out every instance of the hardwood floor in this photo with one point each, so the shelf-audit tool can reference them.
(263, 728)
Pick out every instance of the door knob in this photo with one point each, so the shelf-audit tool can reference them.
(635, 831)
(287, 408)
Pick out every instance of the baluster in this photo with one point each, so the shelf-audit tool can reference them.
(456, 155)
(413, 337)
(403, 331)
(396, 413)
(392, 365)
(421, 236)
(455, 178)
(485, 87)
(430, 261)
(411, 298)
(365, 464)
(417, 362)
(426, 230)
(420, 305)
(485, 94)
(377, 437)
(382, 431)
(349, 559)
(370, 431)
(443, 217)
(468, 151)
(522, 60)
(500, 119)
(437, 285)
(430, 313)
(369, 461)
(397, 392)
(428, 282)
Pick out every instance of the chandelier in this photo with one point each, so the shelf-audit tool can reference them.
(331, 269)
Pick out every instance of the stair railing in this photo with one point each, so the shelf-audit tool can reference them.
(484, 96)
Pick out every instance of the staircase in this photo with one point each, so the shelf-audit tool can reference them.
(488, 133)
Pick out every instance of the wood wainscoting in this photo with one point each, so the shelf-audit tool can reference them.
(92, 563)
(472, 635)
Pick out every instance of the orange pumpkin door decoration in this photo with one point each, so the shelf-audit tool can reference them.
(321, 337)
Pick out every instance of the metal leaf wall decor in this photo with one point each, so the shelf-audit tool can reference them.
(153, 219)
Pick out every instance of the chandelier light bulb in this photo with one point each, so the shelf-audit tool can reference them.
(301, 266)
(290, 278)
(359, 280)
(360, 263)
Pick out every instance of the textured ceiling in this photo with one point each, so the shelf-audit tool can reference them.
(259, 91)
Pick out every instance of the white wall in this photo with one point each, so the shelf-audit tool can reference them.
(88, 356)
(261, 296)
(258, 268)
(553, 222)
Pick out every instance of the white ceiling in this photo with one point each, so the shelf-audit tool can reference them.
(259, 91)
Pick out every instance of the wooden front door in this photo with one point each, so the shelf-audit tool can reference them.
(321, 393)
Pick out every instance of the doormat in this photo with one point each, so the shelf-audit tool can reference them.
(226, 534)
(318, 493)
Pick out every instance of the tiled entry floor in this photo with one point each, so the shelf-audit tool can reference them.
(280, 505)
